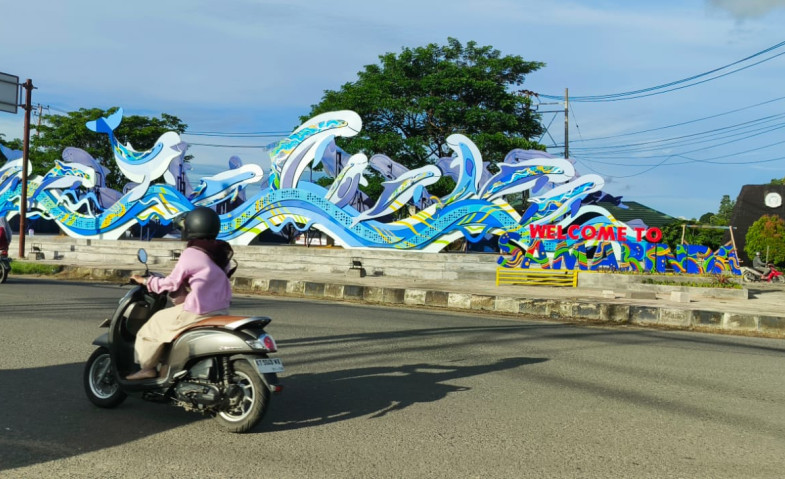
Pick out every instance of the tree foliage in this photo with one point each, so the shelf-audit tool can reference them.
(713, 238)
(412, 101)
(767, 232)
(15, 144)
(57, 132)
(725, 213)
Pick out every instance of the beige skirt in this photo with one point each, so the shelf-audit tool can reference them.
(162, 328)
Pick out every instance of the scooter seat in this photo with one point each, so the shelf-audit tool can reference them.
(225, 321)
(215, 322)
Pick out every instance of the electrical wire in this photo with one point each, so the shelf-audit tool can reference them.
(213, 145)
(695, 160)
(753, 126)
(733, 139)
(257, 134)
(644, 92)
(682, 123)
(663, 163)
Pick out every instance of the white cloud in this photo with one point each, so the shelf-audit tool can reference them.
(745, 9)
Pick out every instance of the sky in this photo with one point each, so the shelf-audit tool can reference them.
(243, 66)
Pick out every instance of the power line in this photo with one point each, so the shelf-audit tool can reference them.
(213, 145)
(695, 160)
(256, 134)
(644, 92)
(684, 122)
(752, 128)
(664, 163)
(733, 139)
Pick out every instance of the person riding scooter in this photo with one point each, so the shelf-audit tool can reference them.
(199, 286)
(763, 268)
(5, 236)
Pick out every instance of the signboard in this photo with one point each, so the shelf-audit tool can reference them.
(9, 93)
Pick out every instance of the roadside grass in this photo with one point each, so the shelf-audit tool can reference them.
(26, 267)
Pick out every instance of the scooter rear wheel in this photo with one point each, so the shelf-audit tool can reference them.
(3, 273)
(749, 277)
(250, 405)
(100, 384)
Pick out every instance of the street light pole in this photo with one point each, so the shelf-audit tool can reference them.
(566, 122)
(28, 106)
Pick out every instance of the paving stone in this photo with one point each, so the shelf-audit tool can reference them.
(393, 295)
(707, 318)
(771, 324)
(675, 317)
(459, 300)
(415, 297)
(373, 294)
(739, 322)
(333, 290)
(644, 314)
(437, 298)
(313, 289)
(483, 302)
(641, 295)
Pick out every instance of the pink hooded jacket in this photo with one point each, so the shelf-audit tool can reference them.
(205, 284)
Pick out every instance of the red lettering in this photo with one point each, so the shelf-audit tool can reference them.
(560, 233)
(605, 233)
(537, 231)
(551, 231)
(639, 233)
(588, 232)
(654, 235)
(571, 232)
(621, 233)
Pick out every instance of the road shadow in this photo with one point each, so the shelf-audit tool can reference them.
(45, 415)
(316, 399)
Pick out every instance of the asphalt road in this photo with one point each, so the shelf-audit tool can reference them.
(392, 393)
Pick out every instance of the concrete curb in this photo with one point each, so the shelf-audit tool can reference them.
(573, 310)
(616, 312)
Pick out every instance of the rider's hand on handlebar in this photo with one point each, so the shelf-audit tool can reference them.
(138, 279)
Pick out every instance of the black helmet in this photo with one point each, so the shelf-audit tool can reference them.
(201, 223)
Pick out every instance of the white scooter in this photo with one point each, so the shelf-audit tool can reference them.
(219, 366)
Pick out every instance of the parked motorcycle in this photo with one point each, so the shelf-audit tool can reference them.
(5, 267)
(219, 366)
(752, 275)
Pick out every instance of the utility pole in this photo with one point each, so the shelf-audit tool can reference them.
(40, 114)
(28, 106)
(566, 123)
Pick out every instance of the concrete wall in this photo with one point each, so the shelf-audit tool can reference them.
(429, 266)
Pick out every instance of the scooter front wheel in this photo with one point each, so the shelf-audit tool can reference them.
(4, 273)
(778, 279)
(249, 404)
(100, 384)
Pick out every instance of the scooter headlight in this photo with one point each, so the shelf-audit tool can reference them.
(265, 342)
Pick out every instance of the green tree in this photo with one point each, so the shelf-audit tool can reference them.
(59, 131)
(725, 213)
(412, 101)
(767, 232)
(699, 231)
(671, 233)
(15, 144)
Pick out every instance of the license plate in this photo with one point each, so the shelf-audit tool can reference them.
(269, 365)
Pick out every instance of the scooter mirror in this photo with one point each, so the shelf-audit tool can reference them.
(142, 255)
